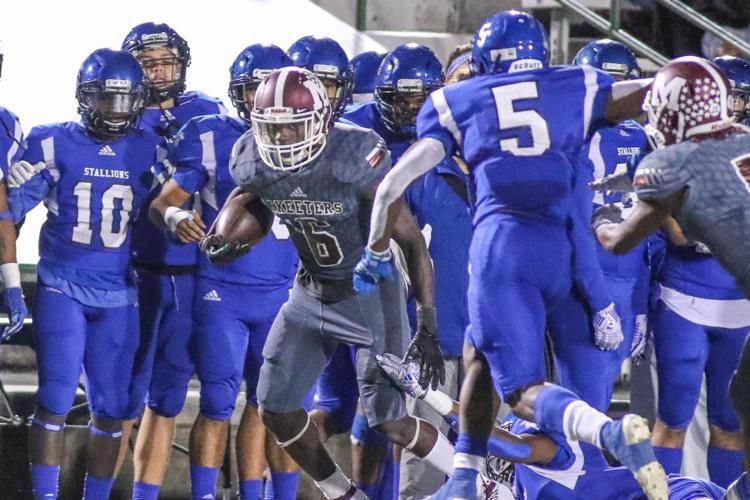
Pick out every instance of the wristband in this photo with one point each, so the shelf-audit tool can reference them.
(378, 256)
(175, 215)
(10, 275)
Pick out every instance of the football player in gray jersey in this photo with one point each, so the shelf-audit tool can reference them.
(698, 173)
(319, 179)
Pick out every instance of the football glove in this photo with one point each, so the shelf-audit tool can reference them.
(371, 269)
(22, 171)
(425, 349)
(219, 251)
(607, 329)
(613, 183)
(15, 307)
(404, 374)
(607, 214)
(638, 347)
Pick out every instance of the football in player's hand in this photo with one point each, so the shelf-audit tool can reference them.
(241, 223)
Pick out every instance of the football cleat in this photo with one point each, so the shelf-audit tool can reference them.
(629, 441)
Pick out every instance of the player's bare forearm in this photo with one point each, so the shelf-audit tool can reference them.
(419, 265)
(626, 99)
(645, 219)
(421, 157)
(171, 195)
(7, 231)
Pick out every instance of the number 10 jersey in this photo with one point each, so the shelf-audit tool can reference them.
(92, 191)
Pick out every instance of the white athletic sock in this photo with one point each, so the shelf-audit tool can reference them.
(441, 455)
(466, 461)
(336, 485)
(583, 423)
(439, 401)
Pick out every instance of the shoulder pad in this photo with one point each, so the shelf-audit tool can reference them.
(244, 159)
(357, 152)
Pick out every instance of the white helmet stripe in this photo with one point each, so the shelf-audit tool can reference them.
(278, 99)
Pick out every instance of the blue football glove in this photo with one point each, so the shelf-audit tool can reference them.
(372, 268)
(15, 307)
(640, 338)
(607, 329)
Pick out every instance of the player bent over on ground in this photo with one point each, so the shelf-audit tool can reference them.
(319, 179)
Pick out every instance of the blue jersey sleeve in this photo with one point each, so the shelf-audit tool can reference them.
(435, 120)
(587, 273)
(603, 83)
(39, 152)
(12, 144)
(188, 155)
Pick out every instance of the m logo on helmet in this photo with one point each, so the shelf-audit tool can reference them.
(317, 91)
(669, 92)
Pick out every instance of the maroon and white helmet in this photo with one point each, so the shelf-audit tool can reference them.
(290, 118)
(690, 96)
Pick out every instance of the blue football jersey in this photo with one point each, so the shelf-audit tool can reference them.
(609, 152)
(152, 245)
(693, 271)
(520, 133)
(12, 144)
(367, 115)
(201, 155)
(93, 191)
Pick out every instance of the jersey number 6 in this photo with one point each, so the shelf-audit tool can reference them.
(509, 118)
(111, 238)
(323, 245)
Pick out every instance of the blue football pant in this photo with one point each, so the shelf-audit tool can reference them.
(520, 269)
(70, 336)
(684, 352)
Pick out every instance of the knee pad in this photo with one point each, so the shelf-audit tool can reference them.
(98, 431)
(293, 439)
(365, 435)
(167, 405)
(217, 400)
(53, 396)
(48, 420)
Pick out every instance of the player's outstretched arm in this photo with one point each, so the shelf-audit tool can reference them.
(626, 99)
(12, 295)
(421, 157)
(165, 213)
(620, 237)
(425, 347)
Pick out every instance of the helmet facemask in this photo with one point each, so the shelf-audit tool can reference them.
(400, 106)
(165, 71)
(242, 93)
(287, 140)
(109, 110)
(338, 89)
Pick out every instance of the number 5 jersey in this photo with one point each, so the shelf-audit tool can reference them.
(92, 190)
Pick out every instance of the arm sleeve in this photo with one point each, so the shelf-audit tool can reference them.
(587, 273)
(25, 197)
(436, 121)
(660, 174)
(188, 157)
(422, 156)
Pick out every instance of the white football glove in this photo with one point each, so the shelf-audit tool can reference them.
(404, 374)
(638, 347)
(607, 329)
(22, 171)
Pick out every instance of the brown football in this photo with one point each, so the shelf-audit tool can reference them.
(243, 218)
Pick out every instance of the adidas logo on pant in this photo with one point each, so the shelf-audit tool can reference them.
(213, 296)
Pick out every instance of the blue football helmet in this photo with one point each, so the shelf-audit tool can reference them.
(611, 56)
(510, 41)
(407, 75)
(148, 36)
(111, 92)
(249, 69)
(325, 57)
(365, 67)
(738, 72)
